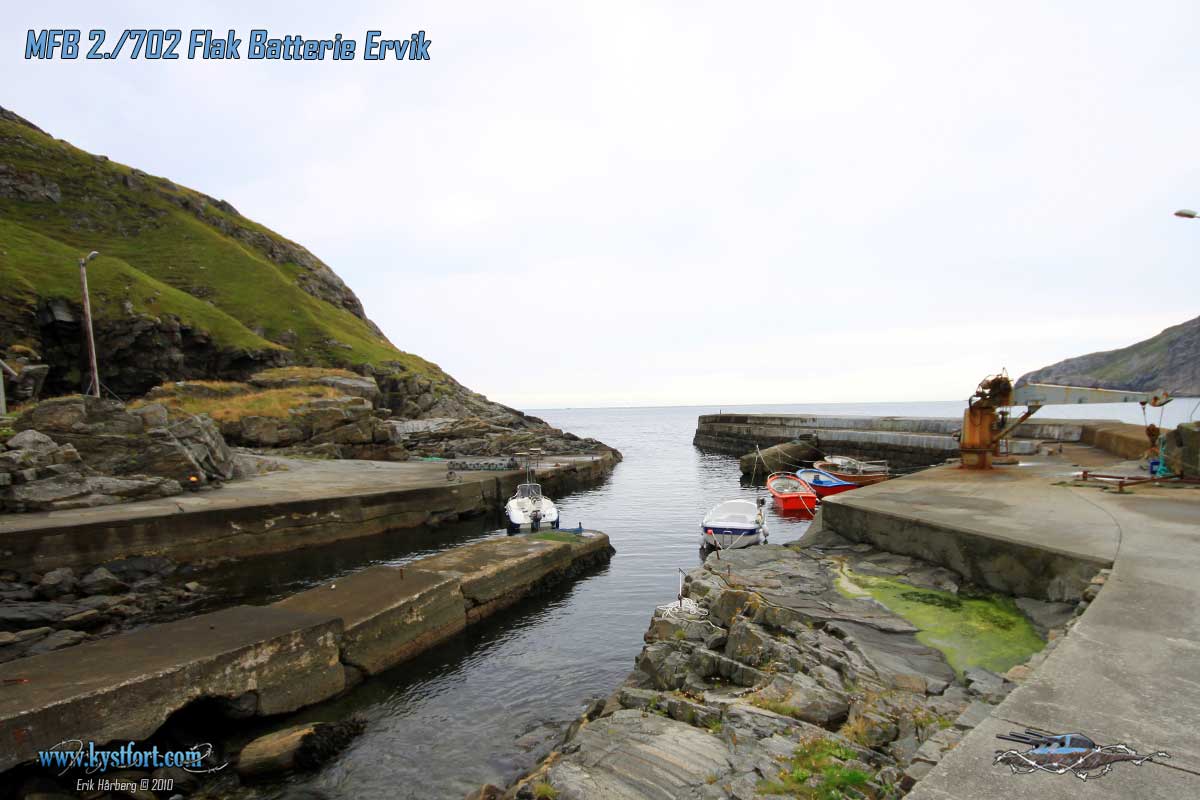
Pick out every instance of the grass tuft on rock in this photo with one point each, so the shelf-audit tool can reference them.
(556, 536)
(276, 403)
(817, 771)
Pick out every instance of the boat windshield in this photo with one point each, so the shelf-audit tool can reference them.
(531, 490)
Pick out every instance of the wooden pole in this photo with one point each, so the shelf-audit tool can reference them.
(87, 324)
(3, 400)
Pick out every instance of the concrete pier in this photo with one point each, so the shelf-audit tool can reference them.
(903, 441)
(1126, 673)
(278, 658)
(309, 503)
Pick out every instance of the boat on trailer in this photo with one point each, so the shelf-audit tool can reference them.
(733, 524)
(824, 483)
(791, 493)
(860, 473)
(528, 509)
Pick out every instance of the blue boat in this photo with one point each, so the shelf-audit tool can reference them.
(824, 483)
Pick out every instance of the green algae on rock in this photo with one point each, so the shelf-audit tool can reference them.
(972, 631)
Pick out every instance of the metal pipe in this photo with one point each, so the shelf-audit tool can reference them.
(94, 387)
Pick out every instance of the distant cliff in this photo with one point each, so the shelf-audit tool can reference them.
(1170, 360)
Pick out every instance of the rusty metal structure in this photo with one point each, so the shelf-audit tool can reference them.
(988, 419)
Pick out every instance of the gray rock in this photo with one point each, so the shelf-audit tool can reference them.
(630, 754)
(805, 699)
(138, 567)
(31, 440)
(56, 583)
(57, 641)
(1045, 615)
(20, 616)
(101, 582)
(988, 685)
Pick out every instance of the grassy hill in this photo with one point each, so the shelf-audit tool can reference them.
(1170, 360)
(178, 269)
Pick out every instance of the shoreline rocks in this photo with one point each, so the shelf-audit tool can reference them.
(779, 683)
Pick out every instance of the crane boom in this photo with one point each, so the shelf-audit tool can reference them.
(983, 428)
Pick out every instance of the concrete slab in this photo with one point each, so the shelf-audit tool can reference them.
(967, 773)
(1014, 529)
(1127, 671)
(496, 573)
(390, 613)
(309, 503)
(124, 687)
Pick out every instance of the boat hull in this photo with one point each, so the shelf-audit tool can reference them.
(730, 538)
(864, 479)
(791, 493)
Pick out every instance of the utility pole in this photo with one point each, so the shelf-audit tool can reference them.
(94, 387)
(3, 400)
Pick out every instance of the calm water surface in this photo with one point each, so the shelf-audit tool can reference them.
(480, 708)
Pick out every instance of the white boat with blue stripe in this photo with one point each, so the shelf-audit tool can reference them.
(733, 524)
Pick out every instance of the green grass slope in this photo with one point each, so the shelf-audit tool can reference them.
(166, 249)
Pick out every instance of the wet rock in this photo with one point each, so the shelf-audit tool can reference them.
(101, 582)
(304, 746)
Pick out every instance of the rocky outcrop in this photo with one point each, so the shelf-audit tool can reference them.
(37, 474)
(778, 686)
(113, 440)
(64, 607)
(341, 427)
(1170, 360)
(140, 351)
(350, 385)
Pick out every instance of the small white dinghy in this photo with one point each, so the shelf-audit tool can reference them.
(733, 524)
(528, 510)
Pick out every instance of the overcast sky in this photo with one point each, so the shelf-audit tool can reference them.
(652, 203)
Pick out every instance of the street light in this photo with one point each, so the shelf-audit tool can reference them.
(1186, 213)
(94, 388)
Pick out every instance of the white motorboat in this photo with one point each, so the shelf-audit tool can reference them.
(528, 509)
(733, 524)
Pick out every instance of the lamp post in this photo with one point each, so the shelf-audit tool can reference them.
(1186, 213)
(94, 387)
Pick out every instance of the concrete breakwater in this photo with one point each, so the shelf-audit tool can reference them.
(903, 441)
(267, 660)
(309, 503)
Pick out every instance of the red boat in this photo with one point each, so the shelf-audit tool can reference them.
(791, 493)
